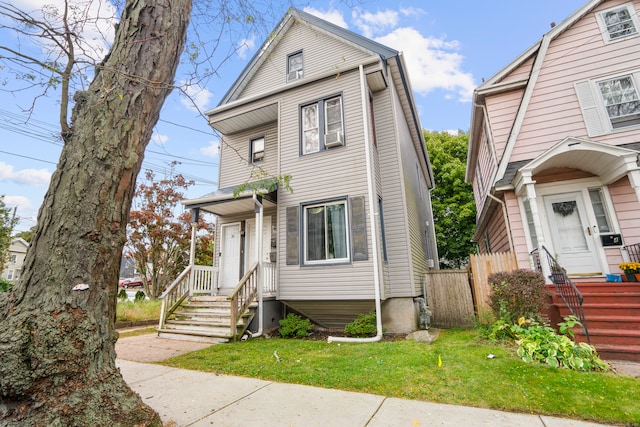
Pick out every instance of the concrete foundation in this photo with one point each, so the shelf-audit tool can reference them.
(400, 315)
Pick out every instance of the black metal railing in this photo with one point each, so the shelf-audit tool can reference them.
(634, 252)
(567, 290)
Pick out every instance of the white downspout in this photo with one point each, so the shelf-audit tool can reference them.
(192, 249)
(260, 270)
(374, 234)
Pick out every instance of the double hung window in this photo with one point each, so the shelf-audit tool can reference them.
(325, 232)
(257, 149)
(295, 70)
(618, 23)
(322, 125)
(620, 97)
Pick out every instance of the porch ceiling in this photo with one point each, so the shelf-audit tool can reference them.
(223, 203)
(227, 124)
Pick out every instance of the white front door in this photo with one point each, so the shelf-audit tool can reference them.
(573, 241)
(251, 253)
(230, 255)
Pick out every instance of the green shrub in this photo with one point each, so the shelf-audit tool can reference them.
(294, 326)
(520, 293)
(5, 285)
(140, 296)
(363, 326)
(542, 344)
(122, 294)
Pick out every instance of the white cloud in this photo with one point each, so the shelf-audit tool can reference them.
(30, 177)
(159, 139)
(432, 63)
(211, 150)
(93, 20)
(371, 24)
(332, 15)
(412, 11)
(197, 98)
(245, 46)
(21, 202)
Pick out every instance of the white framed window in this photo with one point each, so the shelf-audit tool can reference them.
(600, 210)
(322, 125)
(618, 23)
(14, 258)
(621, 101)
(295, 68)
(256, 148)
(325, 238)
(610, 104)
(10, 275)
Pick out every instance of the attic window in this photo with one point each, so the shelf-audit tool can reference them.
(618, 23)
(294, 67)
(257, 149)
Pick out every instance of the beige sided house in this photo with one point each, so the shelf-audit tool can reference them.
(13, 264)
(554, 153)
(335, 111)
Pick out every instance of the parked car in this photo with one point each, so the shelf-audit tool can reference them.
(131, 282)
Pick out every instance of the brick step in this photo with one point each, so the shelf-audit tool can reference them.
(616, 310)
(605, 298)
(623, 287)
(620, 337)
(614, 322)
(618, 352)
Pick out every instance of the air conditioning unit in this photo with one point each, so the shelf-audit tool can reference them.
(294, 75)
(333, 139)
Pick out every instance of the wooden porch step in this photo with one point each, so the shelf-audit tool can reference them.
(187, 327)
(187, 335)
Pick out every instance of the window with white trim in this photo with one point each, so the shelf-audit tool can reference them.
(14, 258)
(610, 104)
(325, 237)
(618, 23)
(295, 70)
(10, 274)
(620, 97)
(600, 210)
(322, 125)
(257, 149)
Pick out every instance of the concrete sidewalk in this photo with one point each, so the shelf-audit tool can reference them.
(192, 398)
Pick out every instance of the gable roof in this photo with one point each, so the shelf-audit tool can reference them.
(495, 85)
(289, 18)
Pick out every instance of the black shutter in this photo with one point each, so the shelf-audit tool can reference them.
(358, 229)
(293, 238)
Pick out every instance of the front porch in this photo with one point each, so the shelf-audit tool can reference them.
(196, 308)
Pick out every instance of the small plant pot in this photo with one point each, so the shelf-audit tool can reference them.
(631, 277)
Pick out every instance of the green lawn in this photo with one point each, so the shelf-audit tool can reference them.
(410, 370)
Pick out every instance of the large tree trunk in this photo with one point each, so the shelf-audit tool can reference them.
(57, 357)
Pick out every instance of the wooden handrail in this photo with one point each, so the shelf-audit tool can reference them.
(243, 295)
(173, 296)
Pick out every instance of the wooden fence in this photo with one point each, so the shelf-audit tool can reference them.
(449, 298)
(482, 266)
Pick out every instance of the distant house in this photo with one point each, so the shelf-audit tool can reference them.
(335, 111)
(554, 153)
(13, 265)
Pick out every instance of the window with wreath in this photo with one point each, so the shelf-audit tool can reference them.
(322, 125)
(618, 23)
(325, 232)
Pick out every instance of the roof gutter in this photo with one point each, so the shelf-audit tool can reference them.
(372, 215)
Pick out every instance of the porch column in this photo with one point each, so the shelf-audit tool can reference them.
(634, 179)
(259, 210)
(530, 189)
(195, 213)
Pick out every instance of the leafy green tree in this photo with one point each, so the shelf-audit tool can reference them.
(7, 222)
(454, 209)
(26, 235)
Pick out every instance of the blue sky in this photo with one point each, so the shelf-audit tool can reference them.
(449, 46)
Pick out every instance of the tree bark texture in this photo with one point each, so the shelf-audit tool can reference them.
(57, 345)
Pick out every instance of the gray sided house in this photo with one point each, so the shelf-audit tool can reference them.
(335, 111)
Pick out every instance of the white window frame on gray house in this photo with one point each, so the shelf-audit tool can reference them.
(610, 104)
(327, 253)
(256, 149)
(618, 23)
(14, 258)
(295, 66)
(10, 275)
(321, 125)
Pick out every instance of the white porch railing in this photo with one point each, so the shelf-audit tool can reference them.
(270, 284)
(203, 280)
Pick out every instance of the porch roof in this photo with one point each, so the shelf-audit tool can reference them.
(222, 202)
